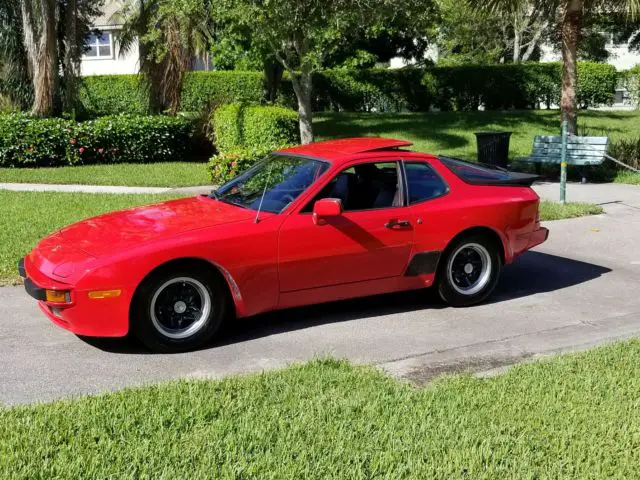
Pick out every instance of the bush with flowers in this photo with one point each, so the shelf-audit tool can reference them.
(27, 141)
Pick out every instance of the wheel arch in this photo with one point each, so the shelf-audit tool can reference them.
(232, 290)
(489, 232)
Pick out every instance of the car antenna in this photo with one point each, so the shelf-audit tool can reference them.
(257, 219)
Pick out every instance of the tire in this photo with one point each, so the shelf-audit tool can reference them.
(469, 270)
(179, 309)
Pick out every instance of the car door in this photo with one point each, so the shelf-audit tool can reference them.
(370, 240)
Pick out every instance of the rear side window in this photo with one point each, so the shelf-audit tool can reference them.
(474, 172)
(423, 183)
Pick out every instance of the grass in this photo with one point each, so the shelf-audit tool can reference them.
(175, 174)
(452, 133)
(448, 133)
(573, 416)
(557, 211)
(26, 217)
(628, 177)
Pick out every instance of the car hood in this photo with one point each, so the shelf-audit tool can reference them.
(125, 229)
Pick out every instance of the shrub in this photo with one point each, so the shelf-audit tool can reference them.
(112, 95)
(518, 86)
(207, 90)
(226, 165)
(254, 126)
(627, 151)
(116, 94)
(29, 142)
(464, 87)
(246, 133)
(631, 80)
(34, 142)
(133, 139)
(596, 83)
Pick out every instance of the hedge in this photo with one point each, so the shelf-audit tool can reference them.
(207, 90)
(116, 94)
(246, 133)
(29, 142)
(254, 126)
(134, 139)
(494, 87)
(225, 166)
(467, 87)
(26, 141)
(112, 95)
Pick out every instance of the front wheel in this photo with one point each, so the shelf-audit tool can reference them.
(469, 271)
(178, 310)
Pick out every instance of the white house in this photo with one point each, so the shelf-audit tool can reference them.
(103, 56)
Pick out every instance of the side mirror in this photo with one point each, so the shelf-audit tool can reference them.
(326, 208)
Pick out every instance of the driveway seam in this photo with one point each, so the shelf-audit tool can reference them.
(504, 339)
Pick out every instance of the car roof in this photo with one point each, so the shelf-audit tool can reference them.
(338, 151)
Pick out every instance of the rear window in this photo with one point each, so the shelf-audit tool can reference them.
(475, 172)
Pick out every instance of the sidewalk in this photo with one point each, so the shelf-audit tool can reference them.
(41, 187)
(600, 193)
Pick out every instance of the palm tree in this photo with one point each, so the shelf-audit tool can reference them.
(15, 84)
(169, 34)
(40, 43)
(571, 13)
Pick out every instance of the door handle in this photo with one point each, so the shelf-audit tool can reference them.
(397, 223)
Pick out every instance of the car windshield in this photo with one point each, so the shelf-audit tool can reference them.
(280, 179)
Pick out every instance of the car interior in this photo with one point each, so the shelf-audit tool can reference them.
(364, 187)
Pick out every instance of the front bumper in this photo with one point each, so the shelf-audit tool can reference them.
(83, 316)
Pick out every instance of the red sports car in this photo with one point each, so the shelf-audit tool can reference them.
(310, 224)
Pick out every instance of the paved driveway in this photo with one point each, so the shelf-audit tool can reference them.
(578, 289)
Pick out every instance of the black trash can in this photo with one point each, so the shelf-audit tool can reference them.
(493, 148)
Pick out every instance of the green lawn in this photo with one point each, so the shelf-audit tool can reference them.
(26, 217)
(573, 416)
(557, 211)
(176, 174)
(448, 133)
(628, 177)
(452, 133)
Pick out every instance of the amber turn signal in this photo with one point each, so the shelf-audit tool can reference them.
(58, 296)
(104, 294)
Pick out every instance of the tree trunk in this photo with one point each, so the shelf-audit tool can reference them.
(71, 57)
(39, 35)
(273, 71)
(303, 87)
(534, 41)
(570, 31)
(516, 43)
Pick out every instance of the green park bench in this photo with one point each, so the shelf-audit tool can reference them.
(580, 151)
(568, 150)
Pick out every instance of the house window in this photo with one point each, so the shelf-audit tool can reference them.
(99, 46)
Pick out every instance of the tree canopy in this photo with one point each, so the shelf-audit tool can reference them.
(303, 35)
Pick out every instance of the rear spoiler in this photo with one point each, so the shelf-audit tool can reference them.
(515, 179)
(489, 175)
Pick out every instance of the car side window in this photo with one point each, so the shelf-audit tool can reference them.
(423, 183)
(365, 186)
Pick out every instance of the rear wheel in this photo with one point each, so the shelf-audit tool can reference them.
(178, 310)
(469, 271)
